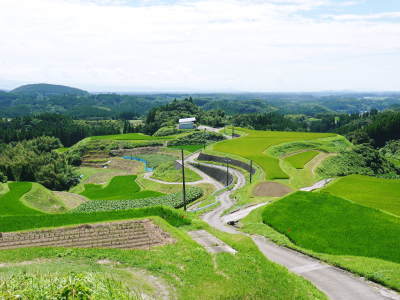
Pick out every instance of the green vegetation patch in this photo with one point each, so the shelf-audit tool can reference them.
(172, 200)
(299, 160)
(254, 143)
(43, 199)
(119, 188)
(329, 224)
(188, 148)
(374, 192)
(167, 172)
(131, 137)
(156, 159)
(21, 222)
(10, 203)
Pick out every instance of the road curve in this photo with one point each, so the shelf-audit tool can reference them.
(334, 282)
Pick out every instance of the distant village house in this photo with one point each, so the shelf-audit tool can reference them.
(187, 123)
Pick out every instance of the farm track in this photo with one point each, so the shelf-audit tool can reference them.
(334, 282)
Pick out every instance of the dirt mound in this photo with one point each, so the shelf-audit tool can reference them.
(271, 189)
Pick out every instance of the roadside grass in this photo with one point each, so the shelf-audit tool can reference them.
(42, 199)
(378, 270)
(188, 148)
(192, 272)
(119, 188)
(329, 224)
(167, 172)
(254, 144)
(369, 191)
(11, 204)
(299, 160)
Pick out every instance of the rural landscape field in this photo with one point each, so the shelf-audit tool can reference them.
(199, 149)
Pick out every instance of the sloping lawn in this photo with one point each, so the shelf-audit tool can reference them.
(374, 192)
(10, 203)
(329, 224)
(119, 188)
(299, 160)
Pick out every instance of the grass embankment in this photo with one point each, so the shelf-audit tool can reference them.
(299, 160)
(185, 266)
(369, 191)
(119, 188)
(253, 145)
(167, 172)
(10, 203)
(42, 199)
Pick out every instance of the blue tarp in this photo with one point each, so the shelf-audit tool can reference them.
(146, 168)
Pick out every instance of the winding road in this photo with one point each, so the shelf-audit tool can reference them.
(334, 282)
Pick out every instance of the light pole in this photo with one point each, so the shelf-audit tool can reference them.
(183, 181)
(251, 169)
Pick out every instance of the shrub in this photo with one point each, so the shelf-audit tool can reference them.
(3, 178)
(164, 131)
(197, 138)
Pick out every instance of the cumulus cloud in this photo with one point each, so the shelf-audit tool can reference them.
(193, 45)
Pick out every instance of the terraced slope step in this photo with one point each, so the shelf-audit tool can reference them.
(132, 234)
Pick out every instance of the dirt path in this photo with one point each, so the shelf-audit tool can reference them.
(336, 283)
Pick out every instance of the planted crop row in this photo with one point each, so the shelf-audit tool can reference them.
(172, 200)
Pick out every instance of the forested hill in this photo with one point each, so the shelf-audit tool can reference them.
(47, 90)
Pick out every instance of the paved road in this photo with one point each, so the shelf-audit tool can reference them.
(334, 282)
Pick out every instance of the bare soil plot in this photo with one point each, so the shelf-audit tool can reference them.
(271, 189)
(133, 234)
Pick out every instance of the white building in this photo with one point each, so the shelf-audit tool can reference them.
(187, 123)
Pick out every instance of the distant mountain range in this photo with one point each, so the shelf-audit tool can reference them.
(48, 90)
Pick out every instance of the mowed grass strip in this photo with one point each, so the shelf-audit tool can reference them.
(10, 204)
(299, 160)
(328, 224)
(253, 145)
(119, 188)
(374, 192)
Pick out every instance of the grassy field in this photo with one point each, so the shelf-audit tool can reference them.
(167, 172)
(373, 192)
(329, 224)
(10, 203)
(253, 145)
(119, 188)
(185, 266)
(299, 160)
(42, 199)
(156, 159)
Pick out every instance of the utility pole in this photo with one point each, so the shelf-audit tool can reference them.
(183, 180)
(233, 131)
(227, 171)
(251, 169)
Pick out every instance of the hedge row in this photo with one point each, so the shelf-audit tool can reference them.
(172, 200)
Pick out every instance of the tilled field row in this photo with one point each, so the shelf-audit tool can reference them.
(139, 234)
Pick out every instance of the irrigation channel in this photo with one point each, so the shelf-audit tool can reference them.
(334, 282)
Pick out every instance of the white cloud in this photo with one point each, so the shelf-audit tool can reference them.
(201, 45)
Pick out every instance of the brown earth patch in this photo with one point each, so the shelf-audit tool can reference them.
(70, 200)
(131, 166)
(134, 234)
(271, 189)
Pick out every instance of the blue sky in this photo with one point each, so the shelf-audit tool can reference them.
(201, 45)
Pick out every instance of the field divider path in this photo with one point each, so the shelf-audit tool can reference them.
(336, 283)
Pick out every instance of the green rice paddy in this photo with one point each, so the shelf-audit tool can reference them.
(299, 160)
(188, 148)
(328, 224)
(10, 204)
(253, 145)
(373, 192)
(119, 188)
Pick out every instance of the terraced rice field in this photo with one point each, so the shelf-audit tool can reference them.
(299, 160)
(373, 192)
(254, 144)
(328, 224)
(119, 188)
(10, 203)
